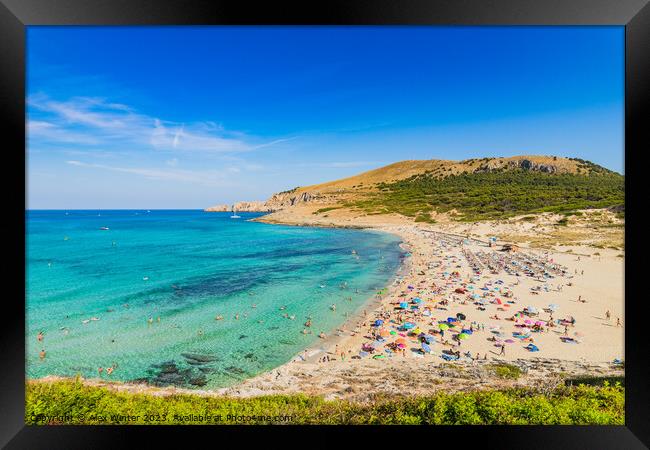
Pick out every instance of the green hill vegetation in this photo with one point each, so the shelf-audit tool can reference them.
(71, 402)
(496, 194)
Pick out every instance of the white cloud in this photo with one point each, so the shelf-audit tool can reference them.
(94, 121)
(213, 178)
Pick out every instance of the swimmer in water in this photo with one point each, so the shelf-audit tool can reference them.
(100, 370)
(40, 336)
(42, 354)
(237, 316)
(109, 371)
(150, 320)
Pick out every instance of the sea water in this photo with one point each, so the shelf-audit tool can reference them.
(142, 296)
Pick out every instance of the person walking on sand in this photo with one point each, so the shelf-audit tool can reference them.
(503, 350)
(566, 330)
(618, 322)
(608, 315)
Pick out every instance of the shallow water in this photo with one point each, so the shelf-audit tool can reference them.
(186, 267)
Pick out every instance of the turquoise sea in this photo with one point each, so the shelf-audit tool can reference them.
(143, 294)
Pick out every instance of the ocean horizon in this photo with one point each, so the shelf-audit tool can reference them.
(141, 291)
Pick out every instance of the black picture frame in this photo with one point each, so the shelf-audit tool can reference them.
(15, 15)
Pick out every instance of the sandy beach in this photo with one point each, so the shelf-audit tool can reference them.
(463, 284)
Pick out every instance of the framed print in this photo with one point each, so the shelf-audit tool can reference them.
(360, 214)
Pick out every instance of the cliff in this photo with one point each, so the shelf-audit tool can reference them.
(255, 206)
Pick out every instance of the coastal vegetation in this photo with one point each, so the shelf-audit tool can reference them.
(497, 194)
(72, 402)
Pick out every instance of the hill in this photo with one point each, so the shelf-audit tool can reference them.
(474, 189)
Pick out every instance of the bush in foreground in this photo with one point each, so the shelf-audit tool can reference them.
(71, 402)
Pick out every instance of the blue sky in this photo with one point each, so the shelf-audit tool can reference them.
(187, 117)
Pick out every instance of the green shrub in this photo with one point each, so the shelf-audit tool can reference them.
(322, 210)
(495, 195)
(71, 402)
(507, 371)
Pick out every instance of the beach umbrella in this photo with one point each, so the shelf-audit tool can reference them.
(531, 309)
(553, 306)
(540, 323)
(384, 333)
(443, 326)
(528, 321)
(417, 331)
(426, 348)
(393, 333)
(463, 336)
(417, 300)
(451, 319)
(409, 325)
(509, 341)
(466, 331)
(428, 338)
(403, 305)
(401, 341)
(461, 316)
(378, 322)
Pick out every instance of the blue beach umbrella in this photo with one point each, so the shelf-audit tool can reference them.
(429, 339)
(426, 348)
(403, 305)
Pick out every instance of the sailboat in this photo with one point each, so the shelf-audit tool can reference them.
(234, 214)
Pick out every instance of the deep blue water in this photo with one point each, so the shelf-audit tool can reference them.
(186, 268)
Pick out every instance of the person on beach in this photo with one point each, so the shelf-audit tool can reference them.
(503, 350)
(608, 315)
(618, 322)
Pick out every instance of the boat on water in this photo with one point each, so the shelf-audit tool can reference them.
(234, 214)
(104, 228)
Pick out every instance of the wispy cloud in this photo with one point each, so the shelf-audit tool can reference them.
(212, 178)
(97, 121)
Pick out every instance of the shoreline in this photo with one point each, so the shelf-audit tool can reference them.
(311, 377)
